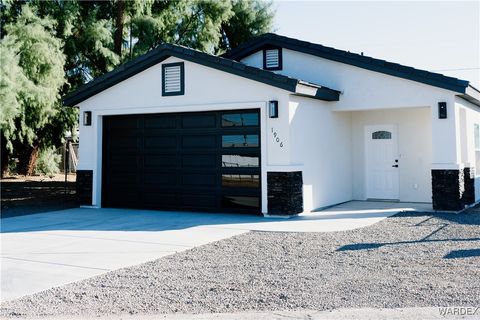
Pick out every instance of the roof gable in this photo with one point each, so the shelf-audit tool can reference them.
(165, 51)
(369, 63)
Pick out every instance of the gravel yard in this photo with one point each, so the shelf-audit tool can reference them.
(408, 260)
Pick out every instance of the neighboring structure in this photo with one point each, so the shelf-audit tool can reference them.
(180, 129)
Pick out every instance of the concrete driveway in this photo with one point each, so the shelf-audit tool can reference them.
(45, 250)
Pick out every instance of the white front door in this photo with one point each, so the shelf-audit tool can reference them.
(381, 162)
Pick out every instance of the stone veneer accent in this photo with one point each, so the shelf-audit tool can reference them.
(469, 181)
(285, 193)
(84, 186)
(448, 188)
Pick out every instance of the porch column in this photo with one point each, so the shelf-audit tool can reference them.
(448, 171)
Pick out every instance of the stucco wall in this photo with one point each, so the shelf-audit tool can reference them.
(361, 88)
(414, 150)
(469, 115)
(321, 146)
(369, 90)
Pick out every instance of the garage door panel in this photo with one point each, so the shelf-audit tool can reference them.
(124, 196)
(160, 122)
(240, 141)
(236, 180)
(164, 142)
(183, 161)
(124, 122)
(124, 180)
(163, 160)
(198, 121)
(199, 179)
(198, 200)
(166, 178)
(240, 202)
(124, 143)
(122, 160)
(199, 141)
(237, 160)
(152, 198)
(199, 160)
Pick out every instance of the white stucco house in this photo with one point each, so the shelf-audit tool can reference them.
(277, 126)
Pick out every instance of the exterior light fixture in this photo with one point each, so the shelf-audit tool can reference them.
(273, 109)
(87, 118)
(442, 110)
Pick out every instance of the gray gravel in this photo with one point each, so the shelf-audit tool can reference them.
(409, 260)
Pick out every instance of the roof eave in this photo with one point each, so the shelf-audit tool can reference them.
(165, 51)
(472, 95)
(310, 90)
(368, 63)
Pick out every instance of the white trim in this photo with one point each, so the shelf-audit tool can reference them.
(97, 170)
(263, 152)
(306, 90)
(287, 168)
(180, 108)
(447, 166)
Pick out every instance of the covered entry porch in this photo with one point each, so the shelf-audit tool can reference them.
(416, 154)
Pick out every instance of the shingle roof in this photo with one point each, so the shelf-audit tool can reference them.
(354, 59)
(165, 51)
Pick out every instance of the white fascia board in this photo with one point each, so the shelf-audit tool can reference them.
(306, 90)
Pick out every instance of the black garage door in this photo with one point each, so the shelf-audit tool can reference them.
(207, 161)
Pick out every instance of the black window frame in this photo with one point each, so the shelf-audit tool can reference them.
(280, 58)
(182, 79)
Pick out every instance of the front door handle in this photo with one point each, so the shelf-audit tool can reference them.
(395, 166)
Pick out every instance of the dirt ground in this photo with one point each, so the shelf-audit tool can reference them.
(22, 195)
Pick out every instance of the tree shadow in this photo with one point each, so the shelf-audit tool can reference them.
(467, 253)
(442, 220)
(468, 217)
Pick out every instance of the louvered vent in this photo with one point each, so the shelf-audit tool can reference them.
(272, 59)
(173, 79)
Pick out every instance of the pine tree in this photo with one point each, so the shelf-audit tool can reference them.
(35, 92)
(250, 18)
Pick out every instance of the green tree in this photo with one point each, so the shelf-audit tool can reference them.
(12, 82)
(86, 30)
(250, 18)
(210, 26)
(36, 97)
(192, 23)
(49, 48)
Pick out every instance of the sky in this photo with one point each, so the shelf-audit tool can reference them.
(439, 36)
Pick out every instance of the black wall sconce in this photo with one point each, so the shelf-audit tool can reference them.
(442, 110)
(273, 109)
(87, 118)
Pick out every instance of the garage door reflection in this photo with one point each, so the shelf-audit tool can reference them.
(241, 180)
(240, 202)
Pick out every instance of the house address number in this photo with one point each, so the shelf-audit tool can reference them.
(276, 138)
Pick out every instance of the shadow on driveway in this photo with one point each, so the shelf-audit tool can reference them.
(109, 219)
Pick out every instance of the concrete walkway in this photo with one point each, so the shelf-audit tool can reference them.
(45, 250)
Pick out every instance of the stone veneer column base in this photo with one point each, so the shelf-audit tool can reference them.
(285, 193)
(448, 188)
(84, 186)
(469, 182)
